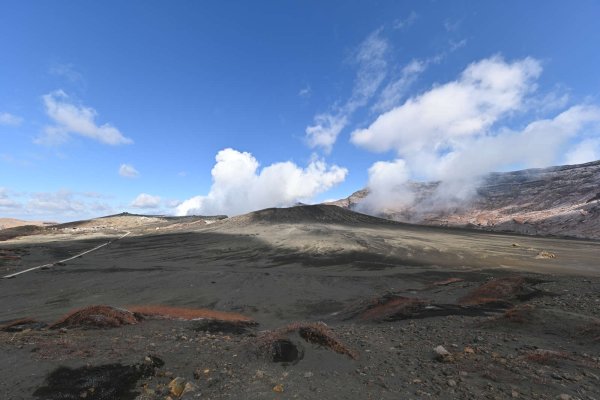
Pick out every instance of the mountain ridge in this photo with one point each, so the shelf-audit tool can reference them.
(555, 201)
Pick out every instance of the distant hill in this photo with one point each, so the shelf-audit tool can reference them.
(312, 214)
(6, 223)
(558, 201)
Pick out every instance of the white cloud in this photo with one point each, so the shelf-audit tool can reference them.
(53, 206)
(540, 144)
(239, 187)
(325, 130)
(75, 119)
(128, 171)
(305, 92)
(61, 202)
(452, 25)
(6, 200)
(406, 22)
(67, 71)
(144, 200)
(486, 91)
(585, 151)
(372, 70)
(395, 90)
(10, 119)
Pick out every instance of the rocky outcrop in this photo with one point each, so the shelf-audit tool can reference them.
(558, 201)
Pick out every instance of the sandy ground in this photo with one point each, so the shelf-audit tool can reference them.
(311, 264)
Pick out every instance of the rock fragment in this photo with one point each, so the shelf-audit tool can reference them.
(177, 386)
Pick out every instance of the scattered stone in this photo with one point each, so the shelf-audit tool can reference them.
(451, 382)
(176, 386)
(278, 388)
(545, 255)
(441, 354)
(189, 388)
(564, 396)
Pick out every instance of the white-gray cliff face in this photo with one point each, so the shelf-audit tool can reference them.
(560, 201)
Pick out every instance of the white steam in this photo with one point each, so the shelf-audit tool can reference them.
(454, 133)
(239, 187)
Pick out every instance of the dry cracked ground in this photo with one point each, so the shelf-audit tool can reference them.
(309, 302)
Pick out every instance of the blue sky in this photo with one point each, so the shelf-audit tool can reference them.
(124, 105)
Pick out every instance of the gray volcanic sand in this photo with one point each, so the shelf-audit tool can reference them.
(310, 264)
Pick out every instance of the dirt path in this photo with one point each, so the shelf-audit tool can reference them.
(46, 266)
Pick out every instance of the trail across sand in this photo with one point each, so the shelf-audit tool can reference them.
(66, 259)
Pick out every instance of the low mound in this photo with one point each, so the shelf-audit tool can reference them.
(188, 314)
(319, 213)
(391, 307)
(94, 317)
(278, 345)
(502, 290)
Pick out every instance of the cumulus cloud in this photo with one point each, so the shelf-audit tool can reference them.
(128, 171)
(239, 186)
(144, 200)
(456, 133)
(70, 118)
(372, 70)
(10, 119)
(485, 91)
